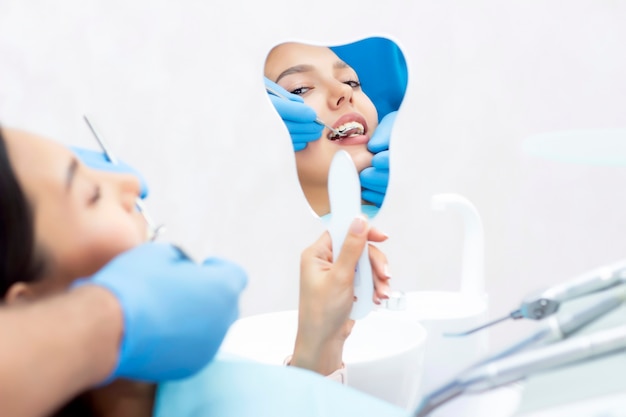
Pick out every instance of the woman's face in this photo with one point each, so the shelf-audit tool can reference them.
(332, 89)
(82, 218)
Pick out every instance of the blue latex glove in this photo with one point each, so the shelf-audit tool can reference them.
(298, 117)
(176, 312)
(97, 160)
(374, 179)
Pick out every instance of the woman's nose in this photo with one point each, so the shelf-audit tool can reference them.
(128, 188)
(340, 94)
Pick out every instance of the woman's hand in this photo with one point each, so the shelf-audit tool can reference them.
(327, 294)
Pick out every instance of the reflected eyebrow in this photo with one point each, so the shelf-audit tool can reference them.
(306, 67)
(71, 173)
(340, 65)
(294, 70)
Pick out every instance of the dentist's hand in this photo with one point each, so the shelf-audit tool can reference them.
(327, 296)
(97, 160)
(298, 117)
(176, 312)
(374, 179)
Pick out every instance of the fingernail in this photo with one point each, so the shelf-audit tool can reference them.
(358, 225)
(386, 271)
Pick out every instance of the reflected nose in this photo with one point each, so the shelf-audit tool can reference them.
(340, 94)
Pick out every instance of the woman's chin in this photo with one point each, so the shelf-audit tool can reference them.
(362, 159)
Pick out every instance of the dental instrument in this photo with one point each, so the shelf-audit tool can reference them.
(344, 193)
(537, 306)
(318, 121)
(153, 231)
(565, 324)
(510, 369)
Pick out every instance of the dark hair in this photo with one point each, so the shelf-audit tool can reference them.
(19, 260)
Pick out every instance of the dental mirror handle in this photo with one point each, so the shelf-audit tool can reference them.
(344, 192)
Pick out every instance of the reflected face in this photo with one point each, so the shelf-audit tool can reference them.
(82, 217)
(332, 89)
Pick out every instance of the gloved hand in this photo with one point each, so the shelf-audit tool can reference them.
(97, 160)
(374, 179)
(298, 117)
(176, 312)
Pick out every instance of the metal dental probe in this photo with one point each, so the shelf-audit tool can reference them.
(318, 121)
(545, 303)
(154, 230)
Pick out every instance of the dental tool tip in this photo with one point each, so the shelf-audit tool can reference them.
(332, 129)
(474, 330)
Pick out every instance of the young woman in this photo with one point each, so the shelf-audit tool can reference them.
(61, 220)
(332, 89)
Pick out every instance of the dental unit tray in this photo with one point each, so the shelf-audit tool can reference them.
(538, 306)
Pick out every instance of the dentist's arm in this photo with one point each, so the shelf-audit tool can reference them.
(54, 349)
(151, 314)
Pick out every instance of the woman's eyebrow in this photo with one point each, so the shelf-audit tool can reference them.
(71, 173)
(294, 70)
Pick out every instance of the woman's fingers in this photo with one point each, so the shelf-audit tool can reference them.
(375, 235)
(351, 250)
(380, 273)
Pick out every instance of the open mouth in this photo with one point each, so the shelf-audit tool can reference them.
(346, 130)
(348, 125)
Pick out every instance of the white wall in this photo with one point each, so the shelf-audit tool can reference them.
(176, 88)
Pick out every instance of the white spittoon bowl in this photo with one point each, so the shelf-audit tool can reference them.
(383, 355)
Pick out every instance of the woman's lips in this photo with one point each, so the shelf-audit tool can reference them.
(352, 140)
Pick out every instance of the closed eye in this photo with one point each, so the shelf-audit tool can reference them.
(95, 196)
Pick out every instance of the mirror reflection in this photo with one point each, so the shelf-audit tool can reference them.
(332, 98)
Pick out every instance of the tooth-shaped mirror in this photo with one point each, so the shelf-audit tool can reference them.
(338, 98)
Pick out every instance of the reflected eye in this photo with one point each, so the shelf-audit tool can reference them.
(95, 196)
(300, 91)
(353, 83)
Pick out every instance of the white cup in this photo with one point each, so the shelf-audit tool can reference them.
(444, 312)
(383, 355)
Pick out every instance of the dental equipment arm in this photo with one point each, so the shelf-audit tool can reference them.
(559, 327)
(507, 370)
(540, 305)
(565, 324)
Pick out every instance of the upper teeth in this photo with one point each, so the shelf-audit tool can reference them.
(346, 127)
